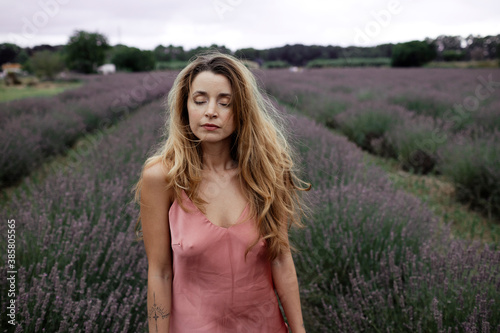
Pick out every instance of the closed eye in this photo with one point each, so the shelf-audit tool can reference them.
(199, 103)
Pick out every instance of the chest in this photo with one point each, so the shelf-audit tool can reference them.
(225, 199)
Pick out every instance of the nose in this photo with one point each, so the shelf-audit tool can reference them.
(211, 110)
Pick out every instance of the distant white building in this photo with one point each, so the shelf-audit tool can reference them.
(295, 69)
(106, 69)
(10, 68)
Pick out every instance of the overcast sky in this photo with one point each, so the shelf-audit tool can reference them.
(245, 23)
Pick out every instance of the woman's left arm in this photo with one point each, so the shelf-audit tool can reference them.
(287, 286)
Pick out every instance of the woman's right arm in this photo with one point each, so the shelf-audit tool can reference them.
(155, 202)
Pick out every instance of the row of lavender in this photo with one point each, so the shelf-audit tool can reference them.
(374, 259)
(371, 258)
(79, 269)
(34, 129)
(445, 121)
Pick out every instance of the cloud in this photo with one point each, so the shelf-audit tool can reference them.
(245, 23)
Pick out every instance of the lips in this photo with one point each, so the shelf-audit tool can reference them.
(210, 127)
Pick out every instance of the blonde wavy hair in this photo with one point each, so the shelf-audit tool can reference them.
(259, 145)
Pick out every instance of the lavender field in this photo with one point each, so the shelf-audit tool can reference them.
(372, 258)
(35, 129)
(442, 121)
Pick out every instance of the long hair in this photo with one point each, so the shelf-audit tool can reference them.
(259, 145)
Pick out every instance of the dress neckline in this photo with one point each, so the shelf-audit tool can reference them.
(242, 214)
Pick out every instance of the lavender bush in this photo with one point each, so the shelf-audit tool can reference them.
(474, 166)
(415, 141)
(487, 117)
(435, 104)
(79, 268)
(373, 258)
(48, 126)
(367, 124)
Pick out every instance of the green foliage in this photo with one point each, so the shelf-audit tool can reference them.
(200, 49)
(321, 108)
(412, 54)
(349, 62)
(174, 54)
(169, 53)
(415, 143)
(300, 55)
(463, 64)
(422, 105)
(367, 127)
(46, 64)
(248, 53)
(86, 51)
(9, 53)
(22, 57)
(453, 55)
(276, 64)
(132, 59)
(473, 167)
(57, 87)
(171, 65)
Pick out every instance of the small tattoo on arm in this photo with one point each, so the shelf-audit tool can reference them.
(157, 312)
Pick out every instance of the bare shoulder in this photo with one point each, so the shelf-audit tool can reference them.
(155, 183)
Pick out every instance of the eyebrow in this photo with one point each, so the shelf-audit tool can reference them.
(201, 92)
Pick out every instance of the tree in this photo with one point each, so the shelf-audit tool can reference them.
(133, 59)
(453, 55)
(247, 53)
(161, 53)
(447, 43)
(86, 51)
(413, 54)
(8, 53)
(169, 53)
(384, 50)
(477, 53)
(193, 52)
(22, 57)
(490, 45)
(47, 64)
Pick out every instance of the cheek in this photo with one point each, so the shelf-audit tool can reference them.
(191, 120)
(191, 113)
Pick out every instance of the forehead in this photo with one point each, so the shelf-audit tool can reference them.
(210, 82)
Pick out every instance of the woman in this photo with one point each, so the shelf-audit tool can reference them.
(217, 200)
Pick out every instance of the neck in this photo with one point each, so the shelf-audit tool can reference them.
(217, 157)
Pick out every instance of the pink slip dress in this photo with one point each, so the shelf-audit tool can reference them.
(214, 290)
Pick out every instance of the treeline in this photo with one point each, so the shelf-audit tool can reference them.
(443, 48)
(86, 51)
